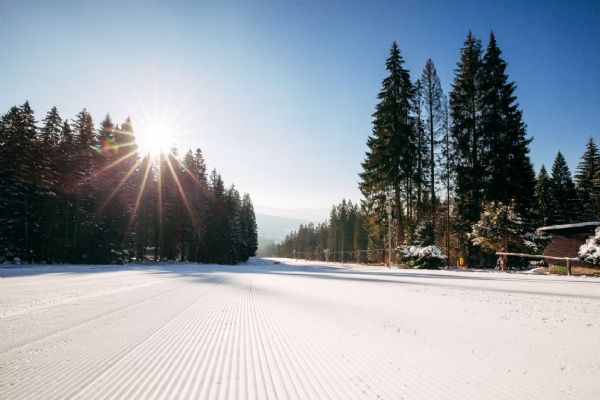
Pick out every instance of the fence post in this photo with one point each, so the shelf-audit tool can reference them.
(568, 266)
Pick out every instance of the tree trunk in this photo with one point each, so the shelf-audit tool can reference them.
(399, 218)
(504, 258)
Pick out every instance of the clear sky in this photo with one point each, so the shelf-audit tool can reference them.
(279, 95)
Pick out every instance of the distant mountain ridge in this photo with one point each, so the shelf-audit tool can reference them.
(315, 215)
(274, 224)
(275, 228)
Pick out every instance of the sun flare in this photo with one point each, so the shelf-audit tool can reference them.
(154, 139)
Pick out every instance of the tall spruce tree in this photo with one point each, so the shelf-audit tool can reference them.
(422, 157)
(16, 147)
(587, 178)
(434, 118)
(235, 245)
(198, 171)
(389, 166)
(191, 225)
(248, 228)
(217, 221)
(467, 138)
(84, 202)
(51, 133)
(505, 152)
(447, 174)
(48, 202)
(546, 204)
(563, 192)
(110, 217)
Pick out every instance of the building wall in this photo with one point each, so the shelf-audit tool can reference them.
(566, 246)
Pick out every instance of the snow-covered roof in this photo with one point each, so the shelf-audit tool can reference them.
(569, 226)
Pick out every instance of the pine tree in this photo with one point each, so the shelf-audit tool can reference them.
(65, 154)
(84, 201)
(389, 166)
(234, 250)
(110, 217)
(51, 133)
(142, 220)
(48, 201)
(447, 165)
(587, 178)
(563, 192)
(360, 237)
(499, 229)
(190, 228)
(434, 117)
(217, 222)
(172, 207)
(66, 178)
(546, 205)
(17, 143)
(333, 234)
(421, 155)
(467, 138)
(248, 228)
(197, 170)
(505, 154)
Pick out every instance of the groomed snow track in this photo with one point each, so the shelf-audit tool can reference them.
(295, 330)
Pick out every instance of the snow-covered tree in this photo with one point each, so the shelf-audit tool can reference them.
(499, 227)
(425, 234)
(590, 251)
(430, 257)
(423, 252)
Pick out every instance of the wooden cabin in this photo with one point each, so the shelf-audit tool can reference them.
(565, 241)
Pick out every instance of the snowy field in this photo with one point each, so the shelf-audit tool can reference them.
(295, 330)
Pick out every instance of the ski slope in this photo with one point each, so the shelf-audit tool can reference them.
(295, 330)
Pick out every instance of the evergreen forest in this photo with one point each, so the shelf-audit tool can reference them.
(454, 169)
(73, 192)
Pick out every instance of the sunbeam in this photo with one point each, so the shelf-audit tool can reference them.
(140, 193)
(118, 161)
(179, 187)
(120, 184)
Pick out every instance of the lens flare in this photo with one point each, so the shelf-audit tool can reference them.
(153, 139)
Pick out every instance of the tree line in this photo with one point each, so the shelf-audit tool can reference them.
(74, 193)
(342, 237)
(446, 163)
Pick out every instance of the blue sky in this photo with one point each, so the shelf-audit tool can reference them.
(279, 95)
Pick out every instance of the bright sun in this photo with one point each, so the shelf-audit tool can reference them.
(157, 125)
(154, 139)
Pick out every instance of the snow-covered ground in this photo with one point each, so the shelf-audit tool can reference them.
(295, 330)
